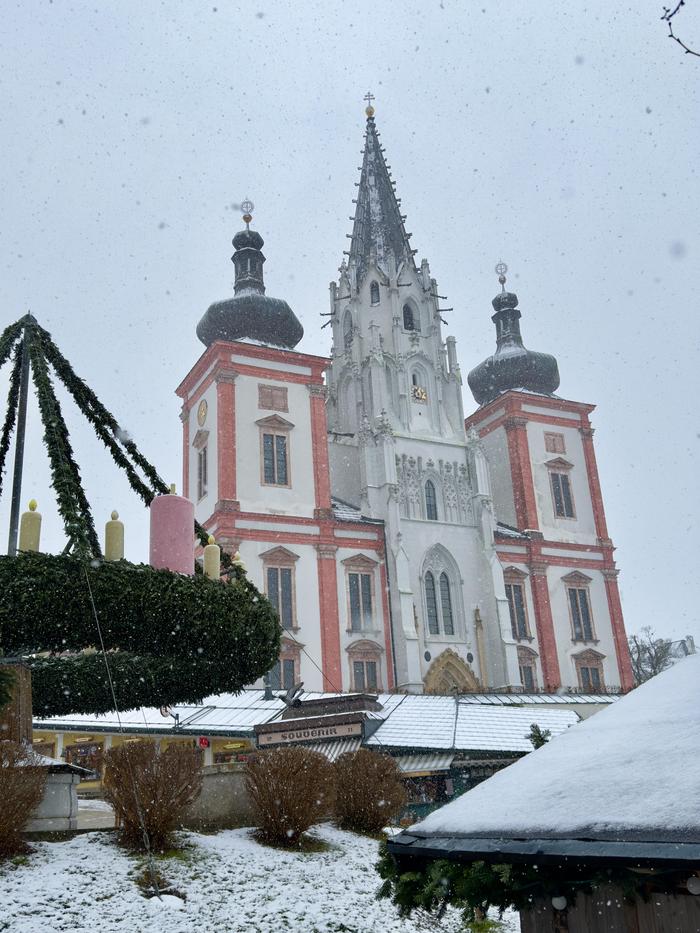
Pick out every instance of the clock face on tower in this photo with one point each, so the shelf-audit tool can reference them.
(419, 393)
(202, 413)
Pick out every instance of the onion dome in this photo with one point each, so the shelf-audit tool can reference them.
(250, 314)
(512, 366)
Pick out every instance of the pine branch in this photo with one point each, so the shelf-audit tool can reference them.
(65, 475)
(11, 413)
(8, 338)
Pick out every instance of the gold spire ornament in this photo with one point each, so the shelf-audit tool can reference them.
(369, 109)
(30, 528)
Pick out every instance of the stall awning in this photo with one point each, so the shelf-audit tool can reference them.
(333, 750)
(416, 765)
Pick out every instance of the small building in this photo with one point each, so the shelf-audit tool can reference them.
(620, 793)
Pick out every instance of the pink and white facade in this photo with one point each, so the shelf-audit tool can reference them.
(562, 562)
(305, 551)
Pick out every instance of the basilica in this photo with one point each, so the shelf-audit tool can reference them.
(407, 545)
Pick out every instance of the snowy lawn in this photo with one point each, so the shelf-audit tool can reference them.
(231, 883)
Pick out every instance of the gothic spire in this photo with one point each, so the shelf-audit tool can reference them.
(378, 232)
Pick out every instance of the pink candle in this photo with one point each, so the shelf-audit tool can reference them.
(172, 534)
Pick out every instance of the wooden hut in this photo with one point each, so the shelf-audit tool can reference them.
(610, 809)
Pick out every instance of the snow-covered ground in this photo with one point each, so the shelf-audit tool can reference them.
(231, 883)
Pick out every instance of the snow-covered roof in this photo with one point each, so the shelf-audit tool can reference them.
(631, 773)
(346, 512)
(508, 531)
(441, 722)
(475, 722)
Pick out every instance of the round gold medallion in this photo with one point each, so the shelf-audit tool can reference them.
(202, 412)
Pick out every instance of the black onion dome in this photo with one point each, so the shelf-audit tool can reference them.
(249, 238)
(250, 314)
(512, 366)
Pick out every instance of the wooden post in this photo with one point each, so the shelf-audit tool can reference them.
(16, 717)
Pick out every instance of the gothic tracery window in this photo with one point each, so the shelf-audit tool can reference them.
(431, 511)
(347, 330)
(411, 320)
(439, 605)
(374, 293)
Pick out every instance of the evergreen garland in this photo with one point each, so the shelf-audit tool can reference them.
(476, 887)
(170, 638)
(11, 413)
(9, 336)
(65, 474)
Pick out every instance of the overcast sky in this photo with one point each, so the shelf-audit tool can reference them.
(562, 138)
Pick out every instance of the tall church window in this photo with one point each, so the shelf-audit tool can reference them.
(431, 604)
(581, 618)
(279, 585)
(374, 293)
(360, 592)
(364, 658)
(515, 595)
(411, 320)
(589, 671)
(202, 473)
(561, 494)
(347, 330)
(431, 511)
(528, 670)
(446, 605)
(275, 460)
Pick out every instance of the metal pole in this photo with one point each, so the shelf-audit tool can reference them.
(19, 448)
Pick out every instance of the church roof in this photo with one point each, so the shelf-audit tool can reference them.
(378, 232)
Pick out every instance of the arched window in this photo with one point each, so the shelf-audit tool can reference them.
(411, 321)
(374, 293)
(431, 511)
(431, 604)
(347, 330)
(443, 607)
(446, 603)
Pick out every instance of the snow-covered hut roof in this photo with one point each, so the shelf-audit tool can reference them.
(629, 775)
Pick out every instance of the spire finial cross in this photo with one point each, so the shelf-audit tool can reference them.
(369, 109)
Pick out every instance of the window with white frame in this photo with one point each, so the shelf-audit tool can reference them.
(560, 483)
(578, 596)
(359, 574)
(589, 671)
(438, 604)
(527, 663)
(517, 603)
(280, 584)
(285, 673)
(274, 451)
(364, 658)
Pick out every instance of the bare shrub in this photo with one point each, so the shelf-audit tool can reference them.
(150, 789)
(369, 791)
(21, 787)
(291, 789)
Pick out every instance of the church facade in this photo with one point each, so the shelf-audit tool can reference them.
(405, 547)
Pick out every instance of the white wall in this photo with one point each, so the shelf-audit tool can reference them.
(495, 446)
(297, 500)
(205, 506)
(581, 529)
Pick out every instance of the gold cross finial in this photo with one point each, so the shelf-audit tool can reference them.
(369, 109)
